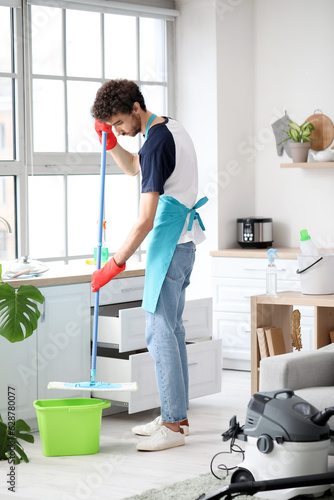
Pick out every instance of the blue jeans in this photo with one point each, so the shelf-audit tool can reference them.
(165, 336)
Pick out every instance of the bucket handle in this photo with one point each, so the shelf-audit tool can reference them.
(100, 406)
(306, 268)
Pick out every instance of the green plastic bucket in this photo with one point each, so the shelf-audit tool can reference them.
(70, 426)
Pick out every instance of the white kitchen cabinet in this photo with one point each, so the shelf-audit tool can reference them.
(234, 281)
(122, 354)
(59, 350)
(63, 339)
(126, 332)
(204, 365)
(18, 375)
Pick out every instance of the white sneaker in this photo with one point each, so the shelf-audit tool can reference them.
(148, 429)
(162, 439)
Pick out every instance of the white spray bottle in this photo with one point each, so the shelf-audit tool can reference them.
(271, 275)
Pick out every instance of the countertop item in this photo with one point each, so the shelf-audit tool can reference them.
(76, 272)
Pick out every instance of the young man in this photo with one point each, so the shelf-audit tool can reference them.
(167, 215)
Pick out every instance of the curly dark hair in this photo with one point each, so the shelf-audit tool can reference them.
(116, 96)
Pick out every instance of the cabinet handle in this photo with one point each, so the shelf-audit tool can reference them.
(192, 364)
(124, 290)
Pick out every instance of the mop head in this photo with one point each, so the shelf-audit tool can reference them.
(93, 386)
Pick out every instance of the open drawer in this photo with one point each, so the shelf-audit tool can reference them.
(127, 331)
(205, 365)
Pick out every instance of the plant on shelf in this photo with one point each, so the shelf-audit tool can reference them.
(19, 316)
(299, 137)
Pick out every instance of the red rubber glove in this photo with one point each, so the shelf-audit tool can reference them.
(111, 138)
(102, 276)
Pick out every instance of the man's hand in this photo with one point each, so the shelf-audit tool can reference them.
(111, 138)
(102, 276)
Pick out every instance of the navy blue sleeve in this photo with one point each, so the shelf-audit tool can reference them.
(157, 159)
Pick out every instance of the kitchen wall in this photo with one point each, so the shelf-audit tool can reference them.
(240, 65)
(294, 71)
(196, 106)
(215, 102)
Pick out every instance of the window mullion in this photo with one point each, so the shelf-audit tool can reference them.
(66, 216)
(65, 80)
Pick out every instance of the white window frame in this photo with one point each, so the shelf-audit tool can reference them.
(29, 163)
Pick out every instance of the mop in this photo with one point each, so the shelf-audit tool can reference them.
(92, 385)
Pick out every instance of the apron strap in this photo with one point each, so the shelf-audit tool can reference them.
(194, 215)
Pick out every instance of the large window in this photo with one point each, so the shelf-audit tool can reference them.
(69, 53)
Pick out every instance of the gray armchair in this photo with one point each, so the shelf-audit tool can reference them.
(310, 374)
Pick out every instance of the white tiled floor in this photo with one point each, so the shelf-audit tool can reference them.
(118, 470)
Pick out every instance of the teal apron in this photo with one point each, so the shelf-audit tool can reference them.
(162, 240)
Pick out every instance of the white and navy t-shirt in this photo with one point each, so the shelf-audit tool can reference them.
(168, 165)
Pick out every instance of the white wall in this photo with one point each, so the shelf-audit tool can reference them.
(235, 97)
(240, 65)
(294, 48)
(196, 96)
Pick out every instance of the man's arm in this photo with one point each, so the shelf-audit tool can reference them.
(128, 162)
(147, 209)
(144, 224)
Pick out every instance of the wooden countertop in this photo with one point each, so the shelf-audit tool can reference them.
(76, 272)
(283, 253)
(295, 298)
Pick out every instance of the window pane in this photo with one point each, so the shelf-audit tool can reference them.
(7, 210)
(83, 198)
(48, 116)
(83, 43)
(5, 40)
(155, 99)
(81, 133)
(152, 50)
(6, 119)
(47, 51)
(120, 49)
(121, 210)
(46, 216)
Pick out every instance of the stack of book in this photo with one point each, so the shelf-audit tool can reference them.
(270, 341)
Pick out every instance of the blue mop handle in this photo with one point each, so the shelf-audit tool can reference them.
(99, 251)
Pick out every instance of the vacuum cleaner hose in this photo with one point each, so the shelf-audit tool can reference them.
(323, 416)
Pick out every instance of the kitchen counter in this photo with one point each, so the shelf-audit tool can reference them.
(75, 272)
(283, 253)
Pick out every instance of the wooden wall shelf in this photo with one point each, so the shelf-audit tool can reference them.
(277, 311)
(328, 164)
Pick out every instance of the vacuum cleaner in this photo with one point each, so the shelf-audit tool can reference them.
(286, 442)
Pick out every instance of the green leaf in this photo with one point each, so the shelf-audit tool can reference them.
(21, 431)
(21, 453)
(19, 313)
(3, 440)
(294, 125)
(294, 135)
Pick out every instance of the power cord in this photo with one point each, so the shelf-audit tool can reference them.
(231, 433)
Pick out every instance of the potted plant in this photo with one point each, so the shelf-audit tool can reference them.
(299, 136)
(19, 315)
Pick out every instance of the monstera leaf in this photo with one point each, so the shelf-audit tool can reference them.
(18, 311)
(10, 448)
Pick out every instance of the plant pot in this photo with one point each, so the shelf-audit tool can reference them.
(299, 151)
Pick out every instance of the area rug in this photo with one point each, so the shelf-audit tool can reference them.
(191, 489)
